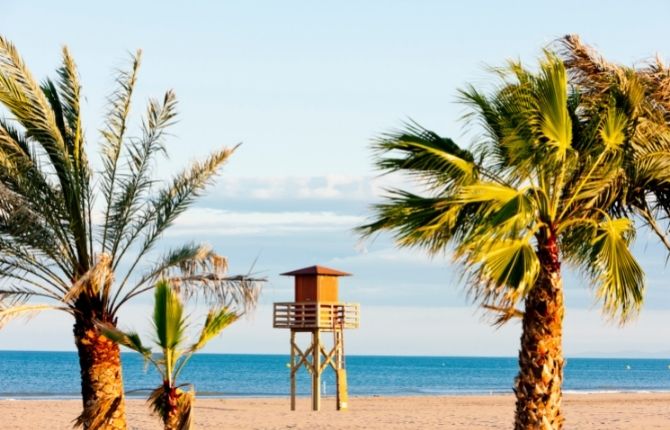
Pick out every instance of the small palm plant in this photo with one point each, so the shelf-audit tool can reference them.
(169, 400)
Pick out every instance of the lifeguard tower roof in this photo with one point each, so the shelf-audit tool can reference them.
(316, 270)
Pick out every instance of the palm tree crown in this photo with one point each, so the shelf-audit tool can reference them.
(540, 172)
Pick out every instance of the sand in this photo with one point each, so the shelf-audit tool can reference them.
(582, 411)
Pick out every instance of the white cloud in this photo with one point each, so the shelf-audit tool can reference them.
(208, 221)
(329, 187)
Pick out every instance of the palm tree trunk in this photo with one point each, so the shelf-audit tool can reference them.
(101, 379)
(179, 407)
(538, 385)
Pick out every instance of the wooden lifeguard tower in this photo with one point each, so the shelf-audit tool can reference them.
(317, 309)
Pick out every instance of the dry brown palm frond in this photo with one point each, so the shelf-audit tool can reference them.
(9, 312)
(97, 280)
(97, 414)
(179, 417)
(503, 314)
(238, 293)
(584, 63)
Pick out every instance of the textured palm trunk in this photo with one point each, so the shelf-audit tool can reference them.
(178, 408)
(172, 420)
(101, 378)
(538, 385)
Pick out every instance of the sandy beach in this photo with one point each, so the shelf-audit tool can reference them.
(583, 411)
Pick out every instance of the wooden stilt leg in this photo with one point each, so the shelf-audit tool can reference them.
(293, 370)
(341, 373)
(316, 370)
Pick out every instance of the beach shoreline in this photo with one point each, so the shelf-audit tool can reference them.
(582, 411)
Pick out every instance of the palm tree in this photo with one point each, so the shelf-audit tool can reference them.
(81, 258)
(172, 404)
(535, 191)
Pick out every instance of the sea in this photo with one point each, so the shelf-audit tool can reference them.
(40, 375)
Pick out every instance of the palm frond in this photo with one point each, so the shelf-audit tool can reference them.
(196, 271)
(129, 199)
(171, 202)
(215, 323)
(504, 271)
(26, 227)
(552, 114)
(621, 279)
(97, 414)
(21, 94)
(418, 221)
(113, 134)
(11, 311)
(168, 318)
(189, 259)
(587, 69)
(29, 104)
(602, 251)
(613, 129)
(425, 154)
(96, 282)
(130, 340)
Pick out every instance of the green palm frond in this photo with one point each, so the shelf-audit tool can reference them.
(505, 270)
(113, 134)
(215, 323)
(70, 94)
(168, 318)
(613, 129)
(491, 195)
(130, 340)
(620, 278)
(195, 271)
(425, 154)
(170, 202)
(21, 94)
(26, 228)
(189, 258)
(421, 221)
(553, 118)
(129, 200)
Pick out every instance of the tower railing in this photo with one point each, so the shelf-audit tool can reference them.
(316, 315)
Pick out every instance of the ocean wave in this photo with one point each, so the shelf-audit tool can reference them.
(616, 391)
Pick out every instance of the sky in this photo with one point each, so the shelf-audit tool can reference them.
(306, 86)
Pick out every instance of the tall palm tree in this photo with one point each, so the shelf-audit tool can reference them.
(535, 191)
(169, 400)
(56, 245)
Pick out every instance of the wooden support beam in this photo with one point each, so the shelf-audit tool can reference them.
(329, 358)
(316, 370)
(342, 400)
(316, 358)
(304, 358)
(293, 369)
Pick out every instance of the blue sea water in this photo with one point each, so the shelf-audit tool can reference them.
(26, 374)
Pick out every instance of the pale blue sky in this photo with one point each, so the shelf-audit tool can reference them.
(306, 85)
